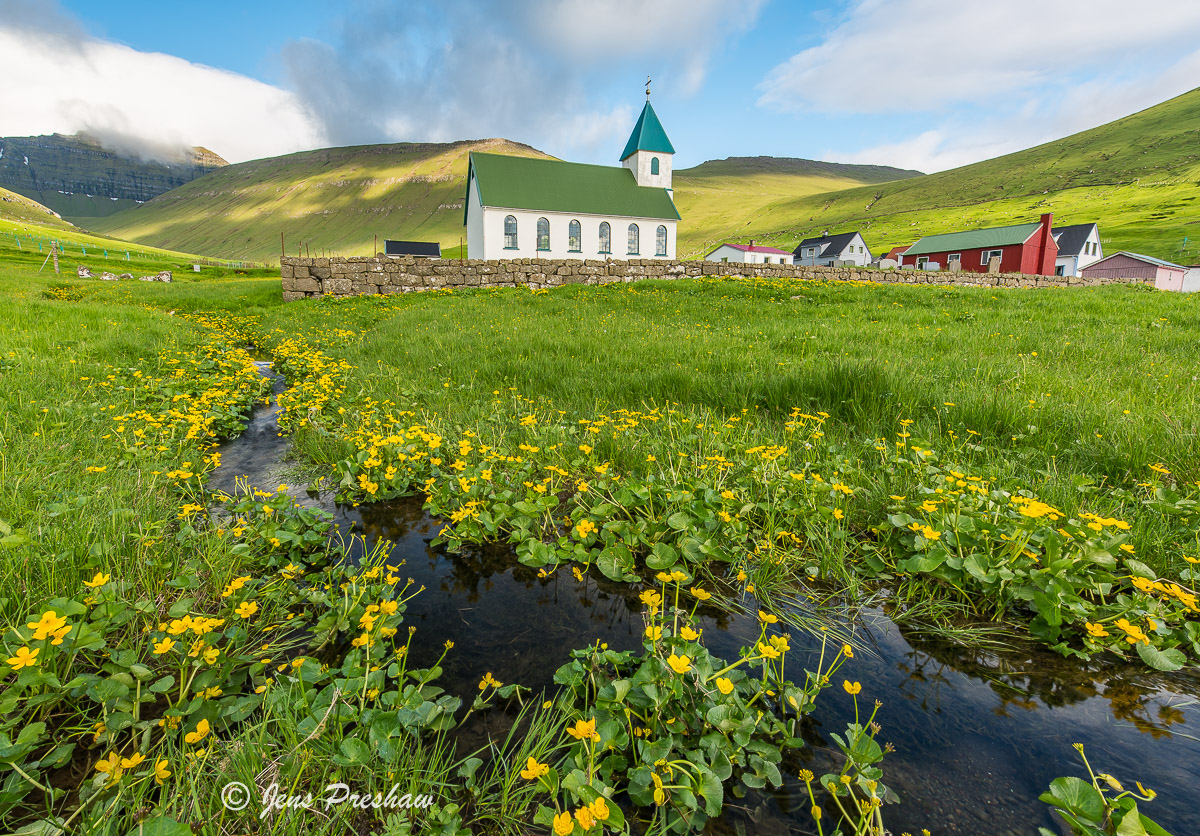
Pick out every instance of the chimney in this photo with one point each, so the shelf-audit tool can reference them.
(751, 243)
(1047, 239)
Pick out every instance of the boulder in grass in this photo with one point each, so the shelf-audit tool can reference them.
(125, 276)
(107, 277)
(83, 271)
(164, 276)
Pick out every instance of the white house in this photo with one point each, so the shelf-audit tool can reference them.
(1078, 246)
(1191, 281)
(749, 254)
(846, 247)
(523, 207)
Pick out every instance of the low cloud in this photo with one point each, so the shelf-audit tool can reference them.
(58, 79)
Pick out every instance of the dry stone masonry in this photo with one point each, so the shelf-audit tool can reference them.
(303, 277)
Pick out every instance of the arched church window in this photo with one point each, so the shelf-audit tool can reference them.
(605, 238)
(510, 233)
(654, 165)
(543, 234)
(574, 237)
(634, 234)
(660, 241)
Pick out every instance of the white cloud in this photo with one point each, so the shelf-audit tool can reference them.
(990, 78)
(149, 102)
(923, 55)
(536, 71)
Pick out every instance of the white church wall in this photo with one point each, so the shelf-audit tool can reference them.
(492, 235)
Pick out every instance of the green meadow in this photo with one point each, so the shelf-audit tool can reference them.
(1023, 458)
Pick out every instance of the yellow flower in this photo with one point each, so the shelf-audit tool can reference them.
(679, 664)
(851, 688)
(110, 766)
(599, 808)
(651, 598)
(563, 824)
(780, 643)
(848, 651)
(99, 579)
(49, 623)
(161, 773)
(24, 658)
(211, 655)
(584, 816)
(1134, 633)
(653, 633)
(584, 528)
(688, 633)
(534, 770)
(700, 594)
(59, 635)
(767, 618)
(247, 608)
(1095, 630)
(488, 680)
(767, 651)
(132, 761)
(163, 646)
(201, 732)
(584, 730)
(725, 685)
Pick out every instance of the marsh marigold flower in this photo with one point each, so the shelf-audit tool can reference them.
(563, 824)
(725, 685)
(98, 580)
(851, 688)
(49, 623)
(201, 732)
(584, 730)
(24, 658)
(534, 770)
(679, 664)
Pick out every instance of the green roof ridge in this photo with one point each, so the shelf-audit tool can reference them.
(971, 239)
(534, 184)
(648, 135)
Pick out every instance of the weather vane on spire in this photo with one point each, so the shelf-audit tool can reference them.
(647, 88)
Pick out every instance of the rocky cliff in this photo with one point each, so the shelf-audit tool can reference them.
(78, 177)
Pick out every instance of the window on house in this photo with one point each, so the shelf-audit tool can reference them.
(660, 241)
(953, 257)
(725, 261)
(654, 165)
(988, 255)
(1060, 270)
(605, 238)
(510, 233)
(922, 261)
(574, 237)
(543, 234)
(634, 236)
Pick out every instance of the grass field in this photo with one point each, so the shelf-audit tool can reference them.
(1025, 454)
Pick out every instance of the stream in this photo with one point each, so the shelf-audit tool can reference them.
(979, 733)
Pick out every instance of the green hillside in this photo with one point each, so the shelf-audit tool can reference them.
(339, 199)
(17, 208)
(1137, 177)
(336, 200)
(721, 199)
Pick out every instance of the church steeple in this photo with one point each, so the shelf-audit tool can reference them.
(648, 152)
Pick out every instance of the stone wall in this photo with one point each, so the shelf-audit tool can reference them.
(304, 277)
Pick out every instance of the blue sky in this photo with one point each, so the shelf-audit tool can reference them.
(927, 84)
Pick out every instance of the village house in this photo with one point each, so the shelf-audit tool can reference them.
(1023, 248)
(749, 254)
(1123, 265)
(845, 248)
(1078, 246)
(523, 207)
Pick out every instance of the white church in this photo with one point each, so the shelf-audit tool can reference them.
(520, 207)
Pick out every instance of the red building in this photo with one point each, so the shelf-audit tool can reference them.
(1024, 248)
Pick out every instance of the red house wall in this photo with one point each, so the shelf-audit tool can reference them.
(1035, 257)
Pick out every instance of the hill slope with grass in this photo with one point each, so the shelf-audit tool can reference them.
(17, 208)
(340, 198)
(1136, 176)
(80, 178)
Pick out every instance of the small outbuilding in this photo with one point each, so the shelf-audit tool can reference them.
(1021, 248)
(419, 249)
(749, 254)
(825, 251)
(1123, 265)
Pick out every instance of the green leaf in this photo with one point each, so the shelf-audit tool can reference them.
(1171, 659)
(679, 521)
(1131, 824)
(160, 826)
(1077, 796)
(357, 752)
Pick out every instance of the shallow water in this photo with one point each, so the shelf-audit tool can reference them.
(978, 734)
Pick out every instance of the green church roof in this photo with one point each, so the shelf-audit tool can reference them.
(648, 135)
(541, 185)
(974, 239)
